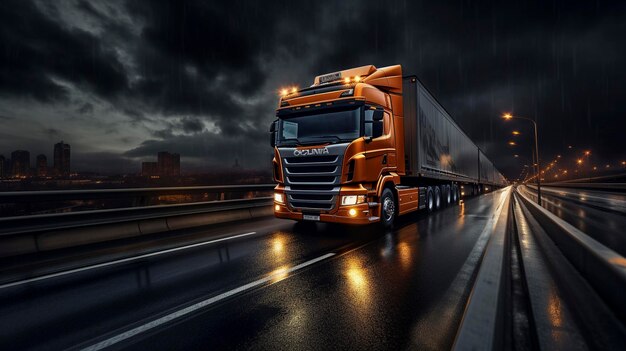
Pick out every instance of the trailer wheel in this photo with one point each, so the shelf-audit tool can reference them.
(437, 198)
(388, 208)
(455, 194)
(430, 201)
(448, 196)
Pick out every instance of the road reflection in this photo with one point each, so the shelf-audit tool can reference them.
(358, 282)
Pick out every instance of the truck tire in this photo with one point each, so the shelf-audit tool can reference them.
(455, 194)
(448, 196)
(437, 198)
(387, 208)
(430, 201)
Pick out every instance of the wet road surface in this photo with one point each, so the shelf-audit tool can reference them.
(281, 286)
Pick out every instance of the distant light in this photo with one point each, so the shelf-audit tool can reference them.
(558, 156)
(516, 155)
(587, 153)
(579, 161)
(512, 143)
(507, 116)
(515, 132)
(607, 166)
(569, 147)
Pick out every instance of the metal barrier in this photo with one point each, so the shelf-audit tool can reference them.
(35, 233)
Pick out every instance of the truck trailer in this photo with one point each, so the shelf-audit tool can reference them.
(365, 145)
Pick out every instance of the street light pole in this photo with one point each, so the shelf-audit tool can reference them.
(537, 165)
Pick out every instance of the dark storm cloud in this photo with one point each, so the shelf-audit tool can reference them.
(198, 56)
(186, 66)
(35, 50)
(192, 125)
(85, 108)
(205, 149)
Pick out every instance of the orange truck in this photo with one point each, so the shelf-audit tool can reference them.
(365, 145)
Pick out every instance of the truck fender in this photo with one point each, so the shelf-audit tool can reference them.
(384, 180)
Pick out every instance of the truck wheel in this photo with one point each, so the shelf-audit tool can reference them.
(455, 194)
(388, 208)
(448, 196)
(437, 198)
(430, 201)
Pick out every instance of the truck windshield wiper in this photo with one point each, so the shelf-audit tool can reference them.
(337, 139)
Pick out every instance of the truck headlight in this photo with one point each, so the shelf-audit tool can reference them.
(352, 199)
(279, 198)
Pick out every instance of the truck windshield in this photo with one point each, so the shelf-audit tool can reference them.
(330, 126)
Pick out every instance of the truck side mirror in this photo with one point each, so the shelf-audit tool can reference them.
(273, 133)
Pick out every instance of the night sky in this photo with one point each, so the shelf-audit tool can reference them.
(122, 80)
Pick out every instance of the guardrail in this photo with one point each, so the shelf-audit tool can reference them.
(90, 194)
(35, 233)
(590, 186)
(602, 267)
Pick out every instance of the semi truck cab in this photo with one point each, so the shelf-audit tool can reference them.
(335, 147)
(339, 151)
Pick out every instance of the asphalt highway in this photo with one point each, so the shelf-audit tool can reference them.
(266, 284)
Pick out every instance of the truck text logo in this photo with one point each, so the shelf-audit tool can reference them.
(311, 152)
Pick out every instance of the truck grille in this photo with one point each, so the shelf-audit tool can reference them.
(312, 183)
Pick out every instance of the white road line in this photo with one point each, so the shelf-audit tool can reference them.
(187, 310)
(124, 260)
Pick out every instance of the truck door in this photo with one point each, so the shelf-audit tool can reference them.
(381, 154)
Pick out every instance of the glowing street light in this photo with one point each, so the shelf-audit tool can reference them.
(512, 143)
(515, 132)
(508, 116)
(579, 161)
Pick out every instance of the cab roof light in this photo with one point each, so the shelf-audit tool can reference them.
(288, 91)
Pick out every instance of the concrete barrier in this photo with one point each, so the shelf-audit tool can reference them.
(602, 267)
(482, 323)
(27, 242)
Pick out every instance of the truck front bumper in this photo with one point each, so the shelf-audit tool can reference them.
(363, 214)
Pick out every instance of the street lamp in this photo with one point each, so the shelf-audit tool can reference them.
(508, 116)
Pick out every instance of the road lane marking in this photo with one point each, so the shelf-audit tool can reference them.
(124, 260)
(199, 305)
